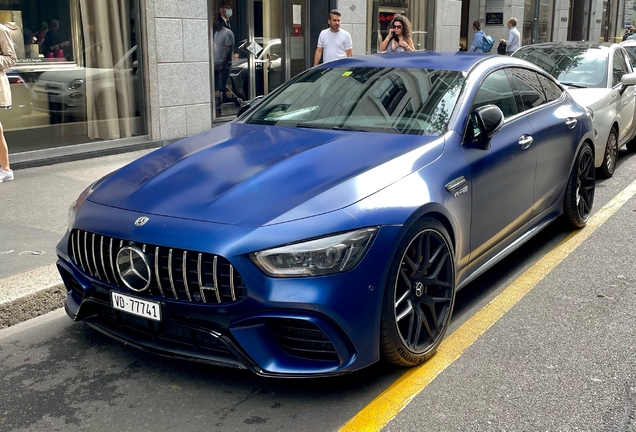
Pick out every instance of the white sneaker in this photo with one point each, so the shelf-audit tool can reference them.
(6, 175)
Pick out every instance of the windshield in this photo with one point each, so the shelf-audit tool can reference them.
(394, 100)
(577, 67)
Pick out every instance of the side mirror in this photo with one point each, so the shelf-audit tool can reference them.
(629, 79)
(489, 120)
(249, 104)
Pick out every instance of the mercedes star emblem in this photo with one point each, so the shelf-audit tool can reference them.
(133, 268)
(419, 289)
(141, 221)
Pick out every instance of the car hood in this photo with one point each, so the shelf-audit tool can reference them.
(593, 98)
(259, 175)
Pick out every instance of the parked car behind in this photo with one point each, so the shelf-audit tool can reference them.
(600, 77)
(332, 224)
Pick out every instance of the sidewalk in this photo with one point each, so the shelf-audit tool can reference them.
(33, 218)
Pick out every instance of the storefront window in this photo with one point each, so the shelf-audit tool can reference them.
(78, 75)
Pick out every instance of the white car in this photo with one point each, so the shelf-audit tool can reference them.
(62, 93)
(599, 77)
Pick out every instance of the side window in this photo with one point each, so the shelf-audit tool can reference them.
(619, 68)
(551, 90)
(496, 90)
(631, 52)
(529, 87)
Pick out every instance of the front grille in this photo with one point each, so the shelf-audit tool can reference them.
(184, 275)
(302, 339)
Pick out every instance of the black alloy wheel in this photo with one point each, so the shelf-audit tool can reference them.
(579, 195)
(419, 296)
(611, 155)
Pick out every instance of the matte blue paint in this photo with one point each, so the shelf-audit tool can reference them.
(242, 188)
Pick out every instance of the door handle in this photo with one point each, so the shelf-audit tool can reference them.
(570, 123)
(525, 141)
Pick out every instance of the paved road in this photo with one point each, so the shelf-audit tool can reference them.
(563, 358)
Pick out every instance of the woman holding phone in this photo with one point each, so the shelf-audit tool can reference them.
(399, 37)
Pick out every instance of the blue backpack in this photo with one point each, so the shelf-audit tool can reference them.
(486, 43)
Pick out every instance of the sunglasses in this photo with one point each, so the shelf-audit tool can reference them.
(397, 27)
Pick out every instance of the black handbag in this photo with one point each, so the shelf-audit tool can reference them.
(501, 49)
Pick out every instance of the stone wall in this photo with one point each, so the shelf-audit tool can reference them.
(178, 67)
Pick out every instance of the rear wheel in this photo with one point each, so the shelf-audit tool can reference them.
(611, 155)
(579, 194)
(419, 296)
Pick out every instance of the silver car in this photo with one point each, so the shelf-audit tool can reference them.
(599, 77)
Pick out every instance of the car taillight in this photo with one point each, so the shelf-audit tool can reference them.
(15, 80)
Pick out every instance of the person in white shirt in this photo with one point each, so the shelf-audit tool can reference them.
(513, 42)
(333, 43)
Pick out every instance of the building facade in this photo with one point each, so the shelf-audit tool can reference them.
(100, 76)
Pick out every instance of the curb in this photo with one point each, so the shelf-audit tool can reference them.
(30, 294)
(32, 305)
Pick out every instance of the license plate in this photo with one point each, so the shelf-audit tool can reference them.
(136, 306)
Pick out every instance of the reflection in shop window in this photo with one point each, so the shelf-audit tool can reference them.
(78, 76)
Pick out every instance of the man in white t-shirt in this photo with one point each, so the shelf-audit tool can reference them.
(333, 43)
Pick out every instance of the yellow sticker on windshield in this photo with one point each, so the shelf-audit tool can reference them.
(347, 73)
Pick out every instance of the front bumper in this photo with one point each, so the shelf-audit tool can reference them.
(291, 327)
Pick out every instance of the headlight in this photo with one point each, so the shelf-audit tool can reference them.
(75, 84)
(77, 204)
(74, 208)
(323, 256)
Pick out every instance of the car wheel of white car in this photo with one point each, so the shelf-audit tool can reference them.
(611, 155)
(419, 295)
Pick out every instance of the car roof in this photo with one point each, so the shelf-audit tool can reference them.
(454, 61)
(583, 45)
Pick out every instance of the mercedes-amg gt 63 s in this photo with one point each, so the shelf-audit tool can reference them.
(331, 225)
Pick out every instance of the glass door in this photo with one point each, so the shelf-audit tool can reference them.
(271, 46)
(265, 51)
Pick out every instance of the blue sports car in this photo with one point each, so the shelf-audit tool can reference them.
(331, 225)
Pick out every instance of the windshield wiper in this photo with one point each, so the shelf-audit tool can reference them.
(307, 126)
(573, 85)
(349, 128)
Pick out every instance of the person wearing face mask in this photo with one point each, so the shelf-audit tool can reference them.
(225, 13)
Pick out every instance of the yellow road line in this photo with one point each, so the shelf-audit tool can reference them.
(391, 401)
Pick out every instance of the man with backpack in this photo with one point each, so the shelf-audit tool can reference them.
(481, 41)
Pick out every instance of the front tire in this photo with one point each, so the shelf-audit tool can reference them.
(419, 296)
(579, 194)
(611, 155)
